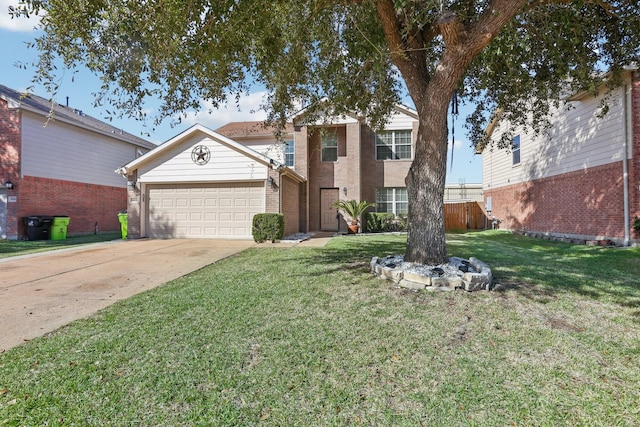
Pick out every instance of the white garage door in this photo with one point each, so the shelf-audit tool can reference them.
(204, 211)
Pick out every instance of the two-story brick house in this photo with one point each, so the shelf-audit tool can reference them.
(579, 180)
(56, 160)
(206, 183)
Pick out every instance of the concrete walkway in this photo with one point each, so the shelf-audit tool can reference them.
(42, 292)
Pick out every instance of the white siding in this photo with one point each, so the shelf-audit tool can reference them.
(578, 140)
(61, 151)
(399, 121)
(225, 164)
(267, 146)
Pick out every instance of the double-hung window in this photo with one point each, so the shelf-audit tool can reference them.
(393, 200)
(329, 142)
(288, 154)
(515, 150)
(393, 145)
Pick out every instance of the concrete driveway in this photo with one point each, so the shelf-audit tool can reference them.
(40, 293)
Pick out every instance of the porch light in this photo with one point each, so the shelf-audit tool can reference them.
(344, 190)
(9, 185)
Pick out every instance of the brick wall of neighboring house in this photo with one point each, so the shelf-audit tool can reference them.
(10, 144)
(10, 147)
(85, 204)
(581, 203)
(290, 205)
(634, 169)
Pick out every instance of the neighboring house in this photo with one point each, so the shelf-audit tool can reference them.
(579, 180)
(455, 193)
(205, 183)
(60, 164)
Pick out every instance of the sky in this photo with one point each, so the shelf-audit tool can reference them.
(79, 86)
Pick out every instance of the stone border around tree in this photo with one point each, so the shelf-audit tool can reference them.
(478, 277)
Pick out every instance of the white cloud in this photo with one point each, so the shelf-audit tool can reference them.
(21, 24)
(458, 144)
(248, 109)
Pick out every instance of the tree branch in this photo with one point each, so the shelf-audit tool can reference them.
(407, 51)
(496, 15)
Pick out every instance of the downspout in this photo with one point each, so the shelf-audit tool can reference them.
(625, 152)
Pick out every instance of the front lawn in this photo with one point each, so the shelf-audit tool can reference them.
(307, 336)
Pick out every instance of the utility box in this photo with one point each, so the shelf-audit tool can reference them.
(59, 227)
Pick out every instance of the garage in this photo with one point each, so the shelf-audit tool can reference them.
(222, 210)
(203, 185)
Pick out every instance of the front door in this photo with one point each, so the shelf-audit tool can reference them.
(328, 215)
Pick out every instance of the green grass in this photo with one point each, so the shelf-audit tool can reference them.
(307, 336)
(11, 248)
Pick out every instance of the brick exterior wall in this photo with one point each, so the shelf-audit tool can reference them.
(290, 205)
(587, 203)
(356, 169)
(272, 193)
(85, 204)
(634, 165)
(10, 145)
(135, 198)
(583, 203)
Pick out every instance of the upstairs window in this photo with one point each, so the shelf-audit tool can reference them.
(393, 145)
(288, 153)
(329, 147)
(516, 150)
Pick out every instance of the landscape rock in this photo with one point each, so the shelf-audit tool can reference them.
(458, 273)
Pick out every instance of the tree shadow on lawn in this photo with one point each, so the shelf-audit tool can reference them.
(549, 267)
(537, 269)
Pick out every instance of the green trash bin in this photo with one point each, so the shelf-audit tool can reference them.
(59, 226)
(122, 217)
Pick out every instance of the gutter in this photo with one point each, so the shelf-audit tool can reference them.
(625, 161)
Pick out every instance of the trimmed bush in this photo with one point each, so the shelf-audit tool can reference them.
(267, 227)
(381, 222)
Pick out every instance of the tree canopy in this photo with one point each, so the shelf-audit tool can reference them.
(360, 54)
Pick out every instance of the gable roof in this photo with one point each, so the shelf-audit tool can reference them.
(221, 139)
(61, 113)
(251, 129)
(400, 108)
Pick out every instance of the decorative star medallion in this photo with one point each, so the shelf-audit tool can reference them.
(200, 155)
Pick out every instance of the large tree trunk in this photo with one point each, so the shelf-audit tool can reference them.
(426, 181)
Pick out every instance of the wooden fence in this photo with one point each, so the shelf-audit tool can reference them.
(464, 216)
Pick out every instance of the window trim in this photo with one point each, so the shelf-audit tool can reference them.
(288, 144)
(515, 151)
(394, 133)
(328, 137)
(394, 202)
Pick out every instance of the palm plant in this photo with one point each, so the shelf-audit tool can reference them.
(353, 209)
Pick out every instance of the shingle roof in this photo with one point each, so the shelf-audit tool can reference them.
(70, 115)
(248, 129)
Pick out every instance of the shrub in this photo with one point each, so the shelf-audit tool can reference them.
(382, 222)
(267, 227)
